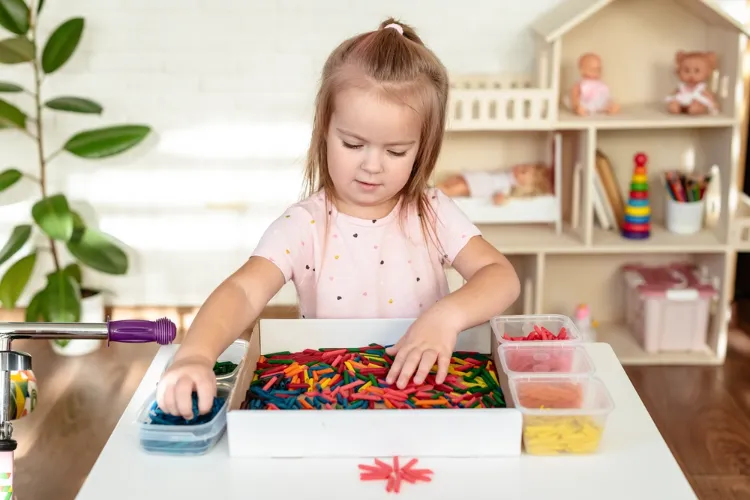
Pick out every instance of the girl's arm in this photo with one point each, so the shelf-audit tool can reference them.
(230, 310)
(281, 255)
(492, 286)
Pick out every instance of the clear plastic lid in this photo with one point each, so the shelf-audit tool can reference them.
(536, 329)
(529, 359)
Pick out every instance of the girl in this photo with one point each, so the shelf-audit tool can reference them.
(370, 240)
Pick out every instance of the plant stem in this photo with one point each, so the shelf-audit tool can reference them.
(39, 131)
(53, 155)
(32, 178)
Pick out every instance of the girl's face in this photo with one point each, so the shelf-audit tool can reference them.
(372, 143)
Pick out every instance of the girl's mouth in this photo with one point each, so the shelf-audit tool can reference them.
(367, 186)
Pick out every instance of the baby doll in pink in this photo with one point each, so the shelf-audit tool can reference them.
(590, 95)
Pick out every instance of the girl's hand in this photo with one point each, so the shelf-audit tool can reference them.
(431, 338)
(174, 392)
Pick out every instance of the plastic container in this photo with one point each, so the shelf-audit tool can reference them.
(182, 439)
(562, 415)
(235, 353)
(668, 307)
(521, 326)
(527, 359)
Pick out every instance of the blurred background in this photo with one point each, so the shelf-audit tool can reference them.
(217, 100)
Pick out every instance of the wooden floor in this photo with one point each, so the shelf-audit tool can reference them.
(703, 413)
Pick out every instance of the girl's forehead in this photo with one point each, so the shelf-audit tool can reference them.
(374, 117)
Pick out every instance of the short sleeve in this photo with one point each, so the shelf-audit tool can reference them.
(288, 243)
(453, 227)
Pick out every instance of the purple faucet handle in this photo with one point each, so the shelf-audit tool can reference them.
(161, 331)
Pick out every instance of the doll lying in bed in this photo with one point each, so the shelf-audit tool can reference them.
(499, 185)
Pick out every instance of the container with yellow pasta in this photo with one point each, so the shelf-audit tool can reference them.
(561, 414)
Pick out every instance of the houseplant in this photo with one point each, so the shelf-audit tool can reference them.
(68, 242)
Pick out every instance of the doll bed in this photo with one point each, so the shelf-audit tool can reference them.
(537, 209)
(542, 209)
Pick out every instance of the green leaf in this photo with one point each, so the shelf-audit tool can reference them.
(39, 8)
(14, 16)
(11, 116)
(99, 251)
(16, 50)
(74, 271)
(10, 87)
(18, 238)
(15, 280)
(61, 44)
(35, 309)
(105, 142)
(78, 223)
(62, 298)
(53, 216)
(8, 177)
(74, 105)
(78, 226)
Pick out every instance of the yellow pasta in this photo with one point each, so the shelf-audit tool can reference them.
(559, 435)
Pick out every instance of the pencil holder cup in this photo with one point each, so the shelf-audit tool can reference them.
(684, 217)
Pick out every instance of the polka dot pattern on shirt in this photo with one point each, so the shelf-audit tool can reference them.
(358, 283)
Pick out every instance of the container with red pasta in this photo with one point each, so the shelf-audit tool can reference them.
(528, 359)
(539, 329)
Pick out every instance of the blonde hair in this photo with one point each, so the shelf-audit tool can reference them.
(394, 61)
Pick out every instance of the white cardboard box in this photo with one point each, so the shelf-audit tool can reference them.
(471, 432)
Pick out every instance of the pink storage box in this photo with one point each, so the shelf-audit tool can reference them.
(667, 307)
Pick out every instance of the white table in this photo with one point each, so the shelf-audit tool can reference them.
(634, 463)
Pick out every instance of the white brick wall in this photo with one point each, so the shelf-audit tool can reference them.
(228, 86)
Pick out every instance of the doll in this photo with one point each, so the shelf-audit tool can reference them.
(692, 95)
(520, 181)
(590, 95)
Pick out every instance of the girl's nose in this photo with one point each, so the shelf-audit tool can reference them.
(372, 165)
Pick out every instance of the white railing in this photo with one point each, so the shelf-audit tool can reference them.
(498, 102)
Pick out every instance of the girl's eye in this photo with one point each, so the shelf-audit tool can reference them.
(351, 146)
(396, 153)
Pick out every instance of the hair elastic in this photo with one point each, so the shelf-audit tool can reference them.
(396, 27)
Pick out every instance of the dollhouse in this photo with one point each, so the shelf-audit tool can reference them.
(564, 257)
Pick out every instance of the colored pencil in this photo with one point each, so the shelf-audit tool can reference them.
(685, 188)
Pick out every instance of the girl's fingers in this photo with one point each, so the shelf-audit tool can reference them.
(206, 391)
(398, 362)
(184, 397)
(428, 361)
(395, 348)
(411, 363)
(167, 400)
(444, 362)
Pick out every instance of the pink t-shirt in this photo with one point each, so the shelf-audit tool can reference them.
(368, 268)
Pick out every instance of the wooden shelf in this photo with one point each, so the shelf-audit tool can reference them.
(643, 116)
(629, 352)
(541, 238)
(530, 239)
(583, 264)
(661, 240)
